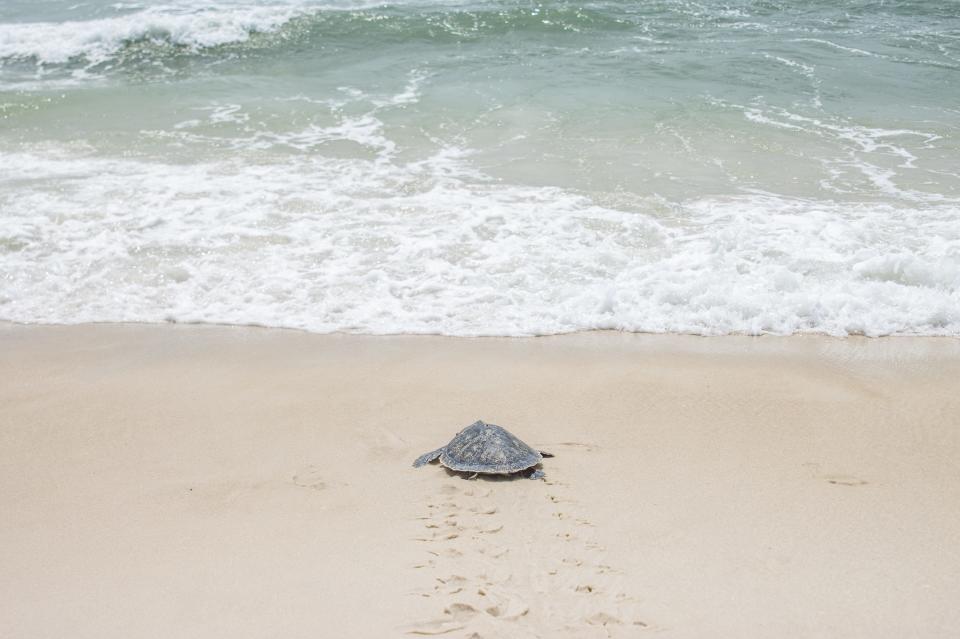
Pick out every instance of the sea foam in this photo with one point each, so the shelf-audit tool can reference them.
(96, 40)
(431, 246)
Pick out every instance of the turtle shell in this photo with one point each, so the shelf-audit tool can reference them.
(488, 448)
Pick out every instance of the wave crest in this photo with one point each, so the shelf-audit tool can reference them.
(95, 41)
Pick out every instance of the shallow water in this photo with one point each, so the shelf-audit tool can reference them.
(470, 168)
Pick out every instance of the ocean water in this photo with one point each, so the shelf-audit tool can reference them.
(483, 167)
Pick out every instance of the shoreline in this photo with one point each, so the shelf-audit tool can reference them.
(586, 331)
(211, 481)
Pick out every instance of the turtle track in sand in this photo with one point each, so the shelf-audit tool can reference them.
(510, 558)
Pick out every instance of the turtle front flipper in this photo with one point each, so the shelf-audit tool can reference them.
(426, 458)
(544, 453)
(537, 474)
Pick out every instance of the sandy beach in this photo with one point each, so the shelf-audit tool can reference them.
(258, 256)
(205, 482)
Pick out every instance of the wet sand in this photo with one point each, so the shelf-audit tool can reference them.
(206, 482)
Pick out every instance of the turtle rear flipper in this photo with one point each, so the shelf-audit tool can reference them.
(426, 458)
(544, 453)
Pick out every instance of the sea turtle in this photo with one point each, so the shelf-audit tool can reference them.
(486, 448)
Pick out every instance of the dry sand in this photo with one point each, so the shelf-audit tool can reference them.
(207, 482)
